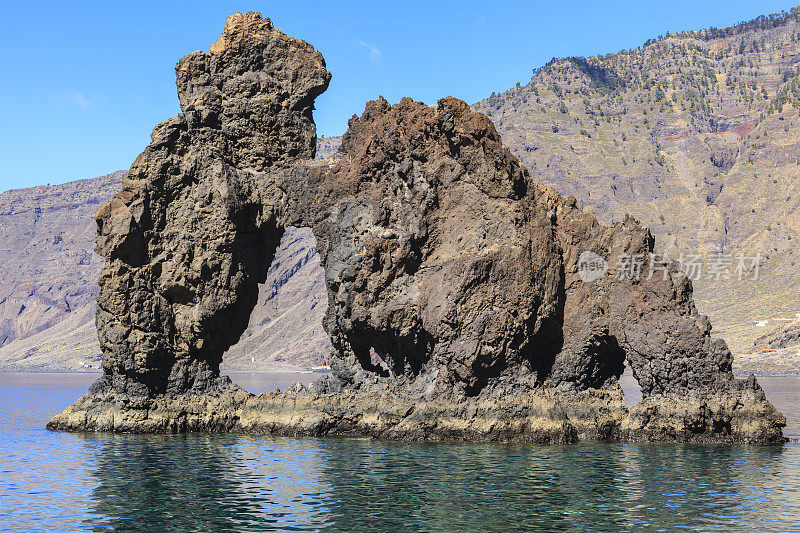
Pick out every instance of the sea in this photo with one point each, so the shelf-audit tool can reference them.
(55, 481)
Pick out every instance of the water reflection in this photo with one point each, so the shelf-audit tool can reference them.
(52, 481)
(222, 483)
(205, 483)
(595, 486)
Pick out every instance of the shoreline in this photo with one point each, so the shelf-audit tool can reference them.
(536, 416)
(766, 373)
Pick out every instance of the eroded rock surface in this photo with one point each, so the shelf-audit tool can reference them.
(199, 217)
(456, 306)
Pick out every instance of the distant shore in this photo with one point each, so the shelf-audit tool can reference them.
(38, 370)
(737, 371)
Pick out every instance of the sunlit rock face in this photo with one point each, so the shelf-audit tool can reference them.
(447, 261)
(457, 307)
(199, 216)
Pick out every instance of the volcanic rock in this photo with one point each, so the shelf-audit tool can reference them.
(458, 302)
(199, 217)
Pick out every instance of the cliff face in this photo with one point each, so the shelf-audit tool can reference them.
(447, 262)
(696, 135)
(457, 303)
(199, 217)
(49, 272)
(454, 276)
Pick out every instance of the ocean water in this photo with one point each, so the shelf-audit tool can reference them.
(52, 481)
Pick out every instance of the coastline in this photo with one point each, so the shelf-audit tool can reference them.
(738, 371)
(538, 416)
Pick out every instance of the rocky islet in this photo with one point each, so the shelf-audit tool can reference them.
(456, 309)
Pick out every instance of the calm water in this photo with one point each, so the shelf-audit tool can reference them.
(52, 481)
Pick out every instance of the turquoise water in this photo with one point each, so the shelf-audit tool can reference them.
(51, 481)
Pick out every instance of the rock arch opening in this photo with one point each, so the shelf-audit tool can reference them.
(284, 335)
(631, 389)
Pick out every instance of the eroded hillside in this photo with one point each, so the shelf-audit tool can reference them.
(696, 134)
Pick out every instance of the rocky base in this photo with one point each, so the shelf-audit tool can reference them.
(710, 419)
(538, 418)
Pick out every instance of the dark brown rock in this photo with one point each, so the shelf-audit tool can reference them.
(198, 220)
(456, 306)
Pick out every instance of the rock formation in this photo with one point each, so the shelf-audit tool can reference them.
(457, 308)
(200, 215)
(48, 288)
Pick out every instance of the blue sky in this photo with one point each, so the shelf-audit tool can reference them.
(84, 82)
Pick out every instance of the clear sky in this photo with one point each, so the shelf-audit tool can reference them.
(84, 83)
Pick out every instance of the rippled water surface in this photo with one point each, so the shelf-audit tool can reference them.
(53, 481)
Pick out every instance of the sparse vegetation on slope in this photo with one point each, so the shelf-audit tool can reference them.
(697, 134)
